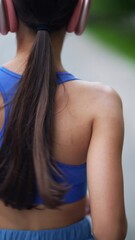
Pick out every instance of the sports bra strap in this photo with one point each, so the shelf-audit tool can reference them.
(65, 77)
(61, 77)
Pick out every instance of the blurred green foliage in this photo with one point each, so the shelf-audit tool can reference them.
(112, 6)
(113, 22)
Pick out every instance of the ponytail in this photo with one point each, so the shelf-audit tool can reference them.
(26, 154)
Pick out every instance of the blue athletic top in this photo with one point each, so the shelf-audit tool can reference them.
(74, 175)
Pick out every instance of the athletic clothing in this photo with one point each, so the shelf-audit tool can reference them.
(77, 231)
(74, 176)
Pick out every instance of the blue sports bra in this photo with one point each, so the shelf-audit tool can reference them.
(74, 175)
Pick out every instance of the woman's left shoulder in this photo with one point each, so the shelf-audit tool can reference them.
(99, 93)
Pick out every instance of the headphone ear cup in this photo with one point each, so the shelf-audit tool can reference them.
(11, 15)
(83, 18)
(3, 22)
(79, 18)
(75, 17)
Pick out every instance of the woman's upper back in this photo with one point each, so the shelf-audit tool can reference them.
(73, 116)
(72, 128)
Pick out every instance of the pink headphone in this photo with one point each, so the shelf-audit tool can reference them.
(77, 24)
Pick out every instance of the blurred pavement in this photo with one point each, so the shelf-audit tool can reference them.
(86, 58)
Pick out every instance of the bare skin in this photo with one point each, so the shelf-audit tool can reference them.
(88, 127)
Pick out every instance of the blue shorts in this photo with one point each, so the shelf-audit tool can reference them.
(78, 231)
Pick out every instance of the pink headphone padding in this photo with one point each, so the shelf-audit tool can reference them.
(11, 15)
(83, 18)
(3, 22)
(75, 18)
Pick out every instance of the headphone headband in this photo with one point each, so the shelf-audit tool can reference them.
(9, 22)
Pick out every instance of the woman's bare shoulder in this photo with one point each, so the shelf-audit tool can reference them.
(98, 90)
(97, 97)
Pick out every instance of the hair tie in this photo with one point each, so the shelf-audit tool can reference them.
(42, 27)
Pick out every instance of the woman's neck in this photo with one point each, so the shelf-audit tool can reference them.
(25, 40)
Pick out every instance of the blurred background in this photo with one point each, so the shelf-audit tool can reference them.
(113, 21)
(105, 53)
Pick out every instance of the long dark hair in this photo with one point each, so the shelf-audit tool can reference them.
(26, 160)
